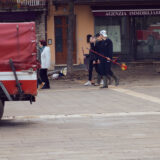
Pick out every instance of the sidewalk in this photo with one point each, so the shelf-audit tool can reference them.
(69, 96)
(135, 75)
(74, 122)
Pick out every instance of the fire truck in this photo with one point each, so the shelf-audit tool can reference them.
(144, 35)
(18, 63)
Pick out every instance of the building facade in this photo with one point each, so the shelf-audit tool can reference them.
(133, 26)
(26, 11)
(57, 32)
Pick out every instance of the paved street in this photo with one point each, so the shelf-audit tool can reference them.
(84, 123)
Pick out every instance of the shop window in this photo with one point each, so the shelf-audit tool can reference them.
(59, 41)
(116, 28)
(58, 21)
(148, 36)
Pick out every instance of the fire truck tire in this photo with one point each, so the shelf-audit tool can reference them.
(1, 109)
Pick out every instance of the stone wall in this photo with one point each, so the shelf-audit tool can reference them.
(41, 26)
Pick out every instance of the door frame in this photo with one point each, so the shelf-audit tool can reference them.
(64, 42)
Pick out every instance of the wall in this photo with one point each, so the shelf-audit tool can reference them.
(84, 26)
(50, 33)
(40, 26)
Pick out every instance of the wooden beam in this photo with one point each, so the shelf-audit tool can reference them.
(105, 2)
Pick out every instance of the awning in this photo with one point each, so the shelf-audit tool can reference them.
(129, 12)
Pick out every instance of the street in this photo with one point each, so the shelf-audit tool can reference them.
(64, 49)
(84, 123)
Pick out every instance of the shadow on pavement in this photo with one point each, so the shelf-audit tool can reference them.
(13, 123)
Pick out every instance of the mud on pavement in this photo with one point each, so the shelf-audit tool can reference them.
(135, 75)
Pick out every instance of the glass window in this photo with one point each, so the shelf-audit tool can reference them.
(148, 36)
(116, 28)
(58, 39)
(58, 20)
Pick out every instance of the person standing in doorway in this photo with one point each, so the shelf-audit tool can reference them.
(45, 64)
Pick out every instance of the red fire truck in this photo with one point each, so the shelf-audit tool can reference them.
(144, 35)
(18, 63)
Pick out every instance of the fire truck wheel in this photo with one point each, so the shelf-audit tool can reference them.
(1, 109)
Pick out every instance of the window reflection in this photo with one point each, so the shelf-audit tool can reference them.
(117, 31)
(148, 36)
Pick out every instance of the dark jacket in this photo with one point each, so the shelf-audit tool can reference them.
(105, 48)
(97, 48)
(92, 55)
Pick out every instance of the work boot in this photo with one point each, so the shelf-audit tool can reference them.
(105, 85)
(109, 80)
(116, 80)
(98, 80)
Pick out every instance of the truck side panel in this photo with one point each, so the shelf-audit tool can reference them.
(18, 42)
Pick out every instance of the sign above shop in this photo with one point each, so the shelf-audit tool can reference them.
(133, 12)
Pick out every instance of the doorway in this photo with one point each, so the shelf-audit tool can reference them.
(61, 38)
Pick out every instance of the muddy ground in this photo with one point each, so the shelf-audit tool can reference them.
(135, 75)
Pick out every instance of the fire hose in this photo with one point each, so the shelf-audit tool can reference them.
(123, 65)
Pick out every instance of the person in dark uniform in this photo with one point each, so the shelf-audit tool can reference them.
(97, 48)
(102, 63)
(106, 49)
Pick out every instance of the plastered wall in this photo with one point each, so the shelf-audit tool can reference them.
(84, 26)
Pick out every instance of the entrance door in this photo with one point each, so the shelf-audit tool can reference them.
(61, 29)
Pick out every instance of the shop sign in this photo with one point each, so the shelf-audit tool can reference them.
(135, 12)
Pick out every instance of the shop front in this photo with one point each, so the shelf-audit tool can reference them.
(135, 32)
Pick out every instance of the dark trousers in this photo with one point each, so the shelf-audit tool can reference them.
(90, 70)
(39, 81)
(44, 77)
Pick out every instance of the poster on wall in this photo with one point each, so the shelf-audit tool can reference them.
(113, 32)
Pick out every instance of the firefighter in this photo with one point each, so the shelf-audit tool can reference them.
(105, 48)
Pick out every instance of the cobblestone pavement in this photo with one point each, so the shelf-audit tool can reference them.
(84, 123)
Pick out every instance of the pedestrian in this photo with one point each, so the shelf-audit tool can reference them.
(106, 50)
(91, 56)
(99, 61)
(39, 81)
(45, 64)
(94, 62)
